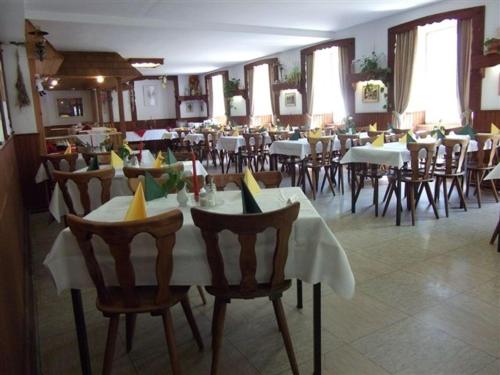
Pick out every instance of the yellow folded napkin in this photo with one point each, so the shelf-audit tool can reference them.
(250, 181)
(137, 208)
(236, 133)
(159, 160)
(494, 129)
(116, 161)
(68, 149)
(372, 128)
(379, 141)
(315, 133)
(403, 139)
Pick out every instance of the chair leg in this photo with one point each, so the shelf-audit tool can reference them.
(375, 195)
(110, 344)
(129, 329)
(341, 178)
(202, 294)
(411, 200)
(217, 332)
(478, 188)
(445, 196)
(437, 185)
(186, 306)
(281, 319)
(461, 195)
(169, 336)
(494, 189)
(454, 182)
(299, 294)
(429, 197)
(390, 189)
(495, 233)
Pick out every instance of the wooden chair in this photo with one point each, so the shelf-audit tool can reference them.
(128, 298)
(246, 227)
(418, 175)
(82, 179)
(270, 179)
(208, 150)
(252, 154)
(55, 160)
(103, 157)
(318, 162)
(346, 141)
(454, 168)
(482, 164)
(369, 171)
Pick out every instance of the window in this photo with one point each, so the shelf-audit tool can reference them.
(261, 97)
(327, 102)
(434, 81)
(218, 96)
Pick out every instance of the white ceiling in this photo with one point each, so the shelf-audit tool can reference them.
(200, 36)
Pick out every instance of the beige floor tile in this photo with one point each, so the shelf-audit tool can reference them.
(491, 369)
(365, 268)
(344, 360)
(469, 320)
(407, 291)
(413, 347)
(488, 292)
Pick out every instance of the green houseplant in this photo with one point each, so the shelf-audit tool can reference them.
(491, 46)
(370, 66)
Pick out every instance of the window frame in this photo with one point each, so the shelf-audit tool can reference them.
(273, 62)
(225, 78)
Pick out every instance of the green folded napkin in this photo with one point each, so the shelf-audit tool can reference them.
(410, 139)
(438, 134)
(250, 206)
(295, 136)
(94, 164)
(171, 157)
(153, 190)
(467, 130)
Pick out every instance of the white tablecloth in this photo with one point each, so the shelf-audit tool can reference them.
(394, 154)
(194, 138)
(91, 138)
(314, 256)
(233, 143)
(299, 148)
(151, 135)
(119, 187)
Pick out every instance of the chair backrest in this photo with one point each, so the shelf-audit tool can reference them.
(102, 157)
(426, 157)
(365, 140)
(484, 158)
(270, 179)
(326, 144)
(345, 139)
(279, 135)
(253, 141)
(118, 237)
(246, 227)
(56, 159)
(210, 138)
(391, 137)
(134, 174)
(183, 155)
(82, 179)
(375, 133)
(456, 150)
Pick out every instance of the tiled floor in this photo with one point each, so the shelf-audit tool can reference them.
(427, 302)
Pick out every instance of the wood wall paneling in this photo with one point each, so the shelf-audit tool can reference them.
(16, 319)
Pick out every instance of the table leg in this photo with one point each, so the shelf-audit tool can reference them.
(292, 170)
(81, 331)
(353, 188)
(398, 196)
(317, 327)
(299, 294)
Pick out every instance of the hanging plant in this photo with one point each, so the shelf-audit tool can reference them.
(231, 88)
(23, 99)
(294, 76)
(370, 66)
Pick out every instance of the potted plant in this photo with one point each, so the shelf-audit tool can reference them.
(294, 76)
(231, 88)
(491, 46)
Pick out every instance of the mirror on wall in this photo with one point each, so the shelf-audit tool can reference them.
(70, 107)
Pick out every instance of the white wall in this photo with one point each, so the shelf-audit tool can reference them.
(284, 110)
(126, 106)
(198, 107)
(50, 114)
(165, 102)
(490, 91)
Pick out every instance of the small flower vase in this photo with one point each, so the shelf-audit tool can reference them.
(182, 197)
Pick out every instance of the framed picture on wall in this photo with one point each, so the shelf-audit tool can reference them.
(371, 93)
(189, 107)
(290, 99)
(150, 95)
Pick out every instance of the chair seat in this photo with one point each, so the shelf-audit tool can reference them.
(444, 174)
(410, 179)
(234, 291)
(146, 303)
(474, 167)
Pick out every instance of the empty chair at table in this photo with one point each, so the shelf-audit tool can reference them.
(346, 141)
(127, 298)
(82, 181)
(57, 162)
(418, 178)
(482, 162)
(454, 169)
(104, 157)
(269, 179)
(246, 228)
(208, 148)
(319, 160)
(252, 154)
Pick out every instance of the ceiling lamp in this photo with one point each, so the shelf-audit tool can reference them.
(99, 79)
(53, 82)
(146, 62)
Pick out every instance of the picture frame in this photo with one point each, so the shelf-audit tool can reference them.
(189, 107)
(290, 99)
(150, 95)
(371, 93)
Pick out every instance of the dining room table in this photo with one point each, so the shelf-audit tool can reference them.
(314, 256)
(150, 135)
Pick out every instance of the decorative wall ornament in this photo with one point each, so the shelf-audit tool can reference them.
(23, 99)
(371, 93)
(150, 95)
(290, 99)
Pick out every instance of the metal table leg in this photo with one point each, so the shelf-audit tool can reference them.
(299, 294)
(317, 327)
(353, 188)
(81, 331)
